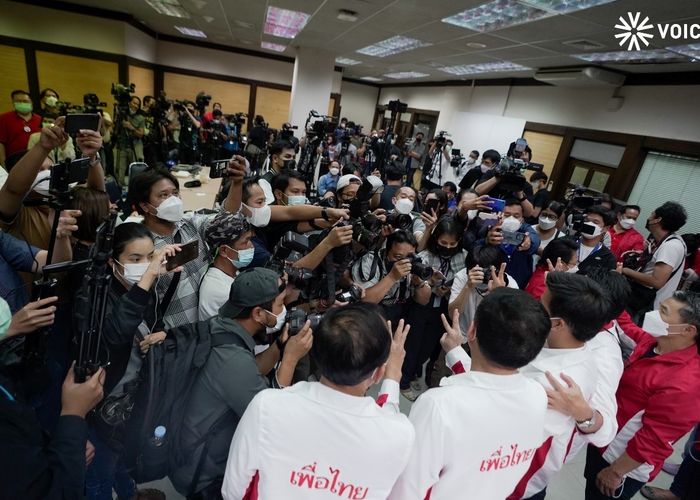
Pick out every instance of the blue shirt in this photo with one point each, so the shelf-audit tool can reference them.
(326, 182)
(520, 262)
(15, 255)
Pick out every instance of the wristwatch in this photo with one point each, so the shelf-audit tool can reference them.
(586, 425)
(522, 199)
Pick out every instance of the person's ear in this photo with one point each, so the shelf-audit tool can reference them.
(258, 315)
(471, 333)
(145, 206)
(378, 375)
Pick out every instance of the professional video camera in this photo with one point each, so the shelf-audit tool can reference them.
(457, 158)
(122, 96)
(511, 167)
(287, 131)
(579, 198)
(366, 227)
(179, 105)
(441, 139)
(237, 119)
(201, 101)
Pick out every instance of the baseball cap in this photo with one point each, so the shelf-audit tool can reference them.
(377, 184)
(225, 228)
(251, 288)
(347, 179)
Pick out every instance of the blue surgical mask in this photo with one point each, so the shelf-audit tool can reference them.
(245, 257)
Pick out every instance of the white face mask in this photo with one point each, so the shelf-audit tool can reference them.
(627, 223)
(171, 209)
(535, 186)
(281, 318)
(134, 272)
(51, 101)
(260, 215)
(471, 214)
(511, 224)
(597, 231)
(572, 270)
(546, 223)
(484, 168)
(655, 326)
(334, 171)
(296, 200)
(404, 206)
(41, 183)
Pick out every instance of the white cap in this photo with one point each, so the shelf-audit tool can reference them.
(347, 179)
(377, 184)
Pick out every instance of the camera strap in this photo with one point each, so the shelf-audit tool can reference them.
(168, 297)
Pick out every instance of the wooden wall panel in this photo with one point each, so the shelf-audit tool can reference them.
(142, 78)
(233, 97)
(273, 105)
(545, 148)
(14, 75)
(72, 76)
(331, 106)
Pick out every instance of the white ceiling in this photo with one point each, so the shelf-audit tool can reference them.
(538, 44)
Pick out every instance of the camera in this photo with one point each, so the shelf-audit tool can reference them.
(456, 159)
(484, 285)
(351, 295)
(399, 221)
(237, 119)
(419, 269)
(92, 104)
(513, 238)
(296, 318)
(122, 96)
(287, 131)
(202, 100)
(632, 260)
(581, 198)
(511, 168)
(179, 106)
(578, 224)
(397, 106)
(66, 173)
(441, 138)
(218, 169)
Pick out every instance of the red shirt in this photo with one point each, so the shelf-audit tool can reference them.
(537, 284)
(625, 241)
(13, 134)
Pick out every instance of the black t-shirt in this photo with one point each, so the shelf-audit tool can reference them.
(473, 175)
(386, 196)
(258, 137)
(540, 198)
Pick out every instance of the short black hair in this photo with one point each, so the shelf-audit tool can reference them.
(491, 154)
(445, 225)
(400, 236)
(579, 301)
(485, 256)
(281, 181)
(442, 200)
(474, 151)
(560, 248)
(607, 215)
(673, 216)
(513, 201)
(247, 184)
(539, 176)
(556, 207)
(615, 285)
(350, 343)
(148, 98)
(451, 186)
(511, 327)
(216, 112)
(140, 186)
(94, 207)
(126, 233)
(277, 147)
(690, 312)
(348, 169)
(394, 172)
(630, 207)
(137, 98)
(17, 92)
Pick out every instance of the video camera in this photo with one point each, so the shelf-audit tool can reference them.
(366, 227)
(456, 159)
(122, 96)
(66, 173)
(287, 131)
(92, 104)
(201, 101)
(179, 105)
(399, 221)
(579, 198)
(237, 119)
(511, 168)
(441, 138)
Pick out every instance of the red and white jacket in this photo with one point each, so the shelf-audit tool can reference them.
(309, 441)
(658, 402)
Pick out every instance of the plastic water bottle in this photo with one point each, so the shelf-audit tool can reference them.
(158, 436)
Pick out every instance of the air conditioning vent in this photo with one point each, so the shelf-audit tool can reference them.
(580, 77)
(583, 44)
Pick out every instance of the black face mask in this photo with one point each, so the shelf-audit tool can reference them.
(418, 139)
(447, 253)
(289, 164)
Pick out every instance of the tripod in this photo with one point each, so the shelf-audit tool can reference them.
(435, 164)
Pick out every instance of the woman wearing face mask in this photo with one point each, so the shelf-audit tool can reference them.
(434, 207)
(131, 313)
(560, 255)
(547, 226)
(48, 102)
(445, 256)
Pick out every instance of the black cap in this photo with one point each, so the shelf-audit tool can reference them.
(251, 288)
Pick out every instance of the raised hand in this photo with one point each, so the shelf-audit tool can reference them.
(397, 353)
(453, 336)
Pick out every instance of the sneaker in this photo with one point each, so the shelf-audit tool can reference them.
(670, 468)
(654, 493)
(410, 394)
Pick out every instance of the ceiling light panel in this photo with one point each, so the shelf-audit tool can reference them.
(406, 74)
(630, 56)
(346, 61)
(475, 69)
(692, 50)
(392, 46)
(371, 79)
(284, 23)
(170, 8)
(273, 46)
(565, 6)
(191, 32)
(496, 15)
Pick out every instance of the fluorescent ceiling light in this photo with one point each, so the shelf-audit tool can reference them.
(170, 8)
(273, 46)
(496, 15)
(630, 56)
(347, 15)
(284, 23)
(692, 50)
(347, 61)
(243, 24)
(191, 32)
(393, 45)
(371, 79)
(406, 74)
(475, 69)
(565, 6)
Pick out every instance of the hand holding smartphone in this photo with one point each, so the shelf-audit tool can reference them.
(188, 252)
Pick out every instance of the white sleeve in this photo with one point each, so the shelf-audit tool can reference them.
(243, 456)
(211, 297)
(458, 284)
(388, 396)
(267, 189)
(427, 456)
(671, 253)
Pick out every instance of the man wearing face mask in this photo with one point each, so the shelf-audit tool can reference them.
(231, 378)
(467, 166)
(477, 174)
(281, 159)
(658, 399)
(229, 239)
(623, 235)
(329, 181)
(404, 202)
(130, 141)
(592, 252)
(415, 159)
(332, 420)
(17, 125)
(540, 195)
(439, 167)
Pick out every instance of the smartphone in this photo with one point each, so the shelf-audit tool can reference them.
(66, 173)
(496, 204)
(77, 122)
(432, 205)
(218, 169)
(188, 251)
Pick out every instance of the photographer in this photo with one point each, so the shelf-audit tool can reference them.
(216, 134)
(592, 252)
(490, 181)
(477, 174)
(281, 159)
(188, 152)
(151, 134)
(230, 378)
(29, 180)
(540, 195)
(517, 239)
(403, 203)
(332, 420)
(415, 158)
(130, 140)
(438, 165)
(386, 276)
(468, 166)
(662, 261)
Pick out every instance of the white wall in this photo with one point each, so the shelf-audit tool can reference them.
(358, 103)
(139, 45)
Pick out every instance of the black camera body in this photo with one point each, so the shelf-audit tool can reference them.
(296, 319)
(65, 173)
(399, 221)
(456, 159)
(92, 103)
(122, 96)
(202, 100)
(419, 269)
(351, 295)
